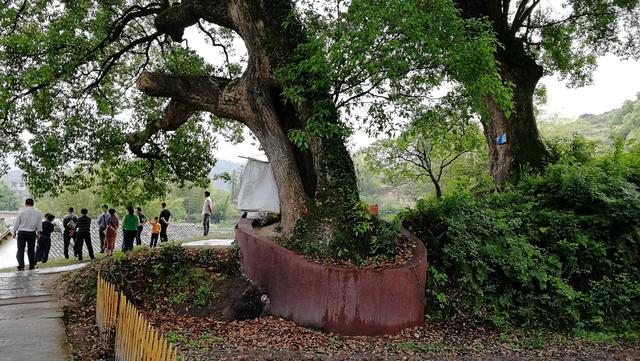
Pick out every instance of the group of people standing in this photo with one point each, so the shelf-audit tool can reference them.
(108, 223)
(30, 226)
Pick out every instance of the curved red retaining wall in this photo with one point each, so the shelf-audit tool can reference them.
(341, 300)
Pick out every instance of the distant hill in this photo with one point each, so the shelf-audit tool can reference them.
(223, 166)
(623, 122)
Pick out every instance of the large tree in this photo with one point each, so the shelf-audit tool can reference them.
(69, 62)
(541, 38)
(68, 68)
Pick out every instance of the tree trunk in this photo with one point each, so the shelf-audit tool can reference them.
(438, 190)
(318, 183)
(523, 148)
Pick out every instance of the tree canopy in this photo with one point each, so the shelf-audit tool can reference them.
(423, 152)
(75, 120)
(69, 71)
(112, 94)
(539, 38)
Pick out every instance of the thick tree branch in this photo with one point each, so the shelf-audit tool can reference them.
(175, 115)
(179, 16)
(518, 21)
(568, 19)
(220, 96)
(520, 10)
(505, 10)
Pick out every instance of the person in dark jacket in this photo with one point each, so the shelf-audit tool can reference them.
(69, 231)
(44, 241)
(83, 234)
(165, 219)
(143, 220)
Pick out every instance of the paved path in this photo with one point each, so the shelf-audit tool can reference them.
(210, 243)
(31, 326)
(176, 231)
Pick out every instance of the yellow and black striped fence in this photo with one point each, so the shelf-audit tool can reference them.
(135, 338)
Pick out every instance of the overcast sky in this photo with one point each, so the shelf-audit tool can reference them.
(614, 81)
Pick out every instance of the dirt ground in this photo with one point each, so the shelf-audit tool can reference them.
(270, 338)
(212, 336)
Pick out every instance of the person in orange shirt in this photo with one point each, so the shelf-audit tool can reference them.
(155, 232)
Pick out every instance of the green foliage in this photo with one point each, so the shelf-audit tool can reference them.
(372, 237)
(179, 297)
(68, 72)
(58, 206)
(315, 250)
(171, 275)
(557, 250)
(388, 58)
(423, 151)
(569, 42)
(577, 149)
(175, 338)
(9, 201)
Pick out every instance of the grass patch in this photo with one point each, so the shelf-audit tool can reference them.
(201, 342)
(58, 262)
(609, 338)
(208, 338)
(175, 338)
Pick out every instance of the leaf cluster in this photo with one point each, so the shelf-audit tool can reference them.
(557, 250)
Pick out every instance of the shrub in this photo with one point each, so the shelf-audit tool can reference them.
(558, 250)
(373, 238)
(576, 149)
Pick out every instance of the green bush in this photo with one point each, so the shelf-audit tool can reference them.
(372, 239)
(576, 149)
(171, 273)
(558, 250)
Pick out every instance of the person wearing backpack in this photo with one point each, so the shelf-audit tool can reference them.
(69, 225)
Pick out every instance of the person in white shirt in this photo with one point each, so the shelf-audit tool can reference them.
(28, 226)
(207, 210)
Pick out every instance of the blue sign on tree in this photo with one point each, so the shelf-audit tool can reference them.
(502, 139)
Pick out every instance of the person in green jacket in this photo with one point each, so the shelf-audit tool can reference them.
(130, 227)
